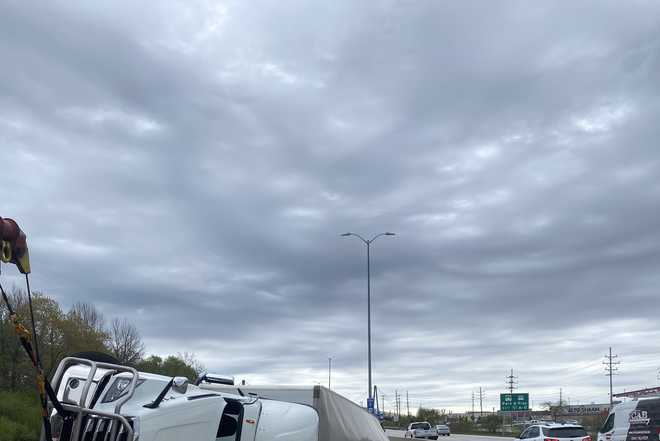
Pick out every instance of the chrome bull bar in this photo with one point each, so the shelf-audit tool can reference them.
(118, 425)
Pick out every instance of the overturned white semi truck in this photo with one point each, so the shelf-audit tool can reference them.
(109, 402)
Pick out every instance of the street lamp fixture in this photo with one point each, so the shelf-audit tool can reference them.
(368, 243)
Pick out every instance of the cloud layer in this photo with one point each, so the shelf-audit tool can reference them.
(191, 166)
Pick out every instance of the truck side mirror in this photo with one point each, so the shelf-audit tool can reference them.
(180, 384)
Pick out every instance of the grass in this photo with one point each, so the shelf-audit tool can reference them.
(20, 417)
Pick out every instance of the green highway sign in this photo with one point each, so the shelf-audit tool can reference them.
(514, 402)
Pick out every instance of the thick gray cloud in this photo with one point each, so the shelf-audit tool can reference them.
(190, 166)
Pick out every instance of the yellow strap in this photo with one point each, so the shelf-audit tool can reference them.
(5, 251)
(21, 330)
(23, 263)
(7, 256)
(41, 384)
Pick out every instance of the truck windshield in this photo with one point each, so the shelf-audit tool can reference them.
(609, 424)
(564, 432)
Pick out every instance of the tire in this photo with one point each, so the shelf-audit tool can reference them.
(99, 357)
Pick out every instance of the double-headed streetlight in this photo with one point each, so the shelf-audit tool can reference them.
(368, 244)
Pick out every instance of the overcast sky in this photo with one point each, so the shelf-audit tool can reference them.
(191, 166)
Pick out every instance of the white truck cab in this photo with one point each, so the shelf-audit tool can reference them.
(105, 402)
(635, 420)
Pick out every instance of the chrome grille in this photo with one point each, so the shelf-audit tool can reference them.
(98, 428)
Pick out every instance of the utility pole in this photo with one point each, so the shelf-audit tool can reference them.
(481, 402)
(407, 404)
(610, 369)
(511, 381)
(382, 397)
(511, 385)
(329, 370)
(396, 403)
(472, 405)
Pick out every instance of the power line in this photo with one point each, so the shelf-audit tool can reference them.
(610, 369)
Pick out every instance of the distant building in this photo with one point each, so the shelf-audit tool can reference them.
(586, 409)
(650, 392)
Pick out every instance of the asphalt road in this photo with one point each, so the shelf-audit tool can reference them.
(395, 434)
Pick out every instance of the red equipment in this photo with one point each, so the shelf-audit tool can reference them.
(13, 245)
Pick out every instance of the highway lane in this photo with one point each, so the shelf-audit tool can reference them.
(396, 434)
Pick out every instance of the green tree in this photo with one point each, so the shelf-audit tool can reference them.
(49, 327)
(463, 425)
(430, 415)
(152, 364)
(172, 366)
(555, 408)
(490, 422)
(125, 342)
(85, 329)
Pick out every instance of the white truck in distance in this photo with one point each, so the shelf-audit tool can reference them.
(107, 402)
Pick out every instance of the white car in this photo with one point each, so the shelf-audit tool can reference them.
(421, 430)
(442, 429)
(555, 432)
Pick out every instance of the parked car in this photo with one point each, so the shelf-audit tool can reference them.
(555, 432)
(442, 430)
(421, 430)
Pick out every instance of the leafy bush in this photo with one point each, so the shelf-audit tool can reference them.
(491, 423)
(463, 425)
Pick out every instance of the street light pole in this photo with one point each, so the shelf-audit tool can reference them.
(369, 313)
(329, 370)
(368, 244)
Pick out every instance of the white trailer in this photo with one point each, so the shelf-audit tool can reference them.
(340, 419)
